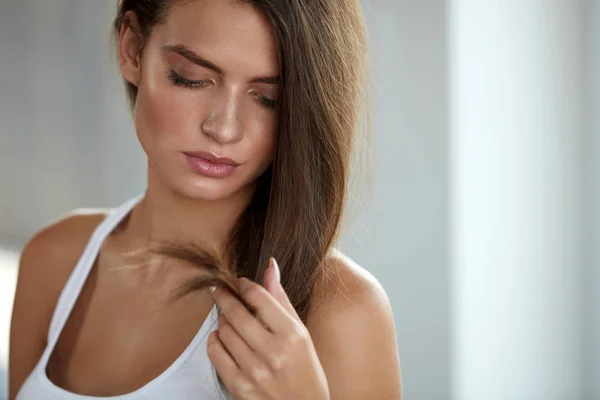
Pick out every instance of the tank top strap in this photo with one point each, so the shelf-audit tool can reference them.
(78, 277)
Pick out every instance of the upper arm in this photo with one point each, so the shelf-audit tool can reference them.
(354, 334)
(27, 339)
(45, 264)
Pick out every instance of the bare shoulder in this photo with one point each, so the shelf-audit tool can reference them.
(50, 255)
(352, 327)
(56, 245)
(343, 286)
(45, 264)
(68, 226)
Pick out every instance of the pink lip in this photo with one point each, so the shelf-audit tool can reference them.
(212, 158)
(211, 165)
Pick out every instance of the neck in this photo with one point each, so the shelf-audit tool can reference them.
(164, 215)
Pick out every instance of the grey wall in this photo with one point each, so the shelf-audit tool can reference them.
(66, 138)
(591, 328)
(402, 236)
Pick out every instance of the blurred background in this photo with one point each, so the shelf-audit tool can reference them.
(484, 220)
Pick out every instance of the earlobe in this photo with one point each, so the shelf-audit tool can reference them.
(130, 44)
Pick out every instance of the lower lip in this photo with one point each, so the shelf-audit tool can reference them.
(209, 168)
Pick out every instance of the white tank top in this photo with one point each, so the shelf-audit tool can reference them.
(191, 376)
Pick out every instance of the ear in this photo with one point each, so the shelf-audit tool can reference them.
(130, 46)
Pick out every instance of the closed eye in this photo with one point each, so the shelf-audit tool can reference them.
(179, 80)
(267, 101)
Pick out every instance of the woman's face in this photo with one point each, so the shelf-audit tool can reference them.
(206, 110)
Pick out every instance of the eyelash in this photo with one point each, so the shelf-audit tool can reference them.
(179, 80)
(267, 102)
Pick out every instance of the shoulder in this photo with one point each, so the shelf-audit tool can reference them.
(48, 259)
(44, 267)
(61, 240)
(343, 286)
(352, 327)
(49, 256)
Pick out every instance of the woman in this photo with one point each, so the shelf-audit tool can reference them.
(247, 111)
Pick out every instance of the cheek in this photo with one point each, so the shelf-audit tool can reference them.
(263, 139)
(161, 115)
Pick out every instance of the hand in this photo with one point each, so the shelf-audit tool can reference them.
(270, 356)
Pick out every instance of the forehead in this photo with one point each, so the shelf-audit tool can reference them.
(227, 32)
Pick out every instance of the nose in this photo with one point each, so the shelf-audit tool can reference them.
(222, 120)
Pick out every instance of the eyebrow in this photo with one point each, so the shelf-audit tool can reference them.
(201, 61)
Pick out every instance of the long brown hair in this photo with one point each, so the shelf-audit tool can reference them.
(297, 208)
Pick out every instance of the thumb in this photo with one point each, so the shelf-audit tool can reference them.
(272, 282)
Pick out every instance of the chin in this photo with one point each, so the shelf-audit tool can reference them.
(208, 189)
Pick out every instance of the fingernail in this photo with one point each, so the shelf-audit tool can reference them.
(277, 271)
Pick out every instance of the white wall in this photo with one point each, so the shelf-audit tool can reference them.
(8, 275)
(516, 128)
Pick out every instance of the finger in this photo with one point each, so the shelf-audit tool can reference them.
(240, 351)
(242, 321)
(270, 311)
(272, 276)
(224, 364)
(272, 282)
